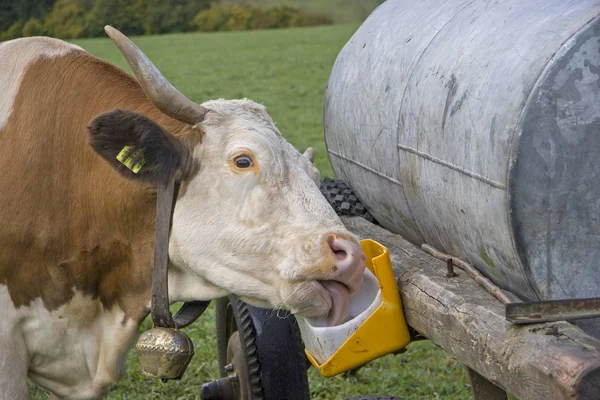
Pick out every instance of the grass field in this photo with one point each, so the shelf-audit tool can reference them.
(286, 70)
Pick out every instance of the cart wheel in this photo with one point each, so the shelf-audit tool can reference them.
(343, 200)
(261, 355)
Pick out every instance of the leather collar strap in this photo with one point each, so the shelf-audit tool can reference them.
(161, 315)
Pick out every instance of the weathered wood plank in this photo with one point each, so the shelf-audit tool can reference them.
(542, 361)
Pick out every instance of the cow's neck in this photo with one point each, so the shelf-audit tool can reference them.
(132, 233)
(185, 285)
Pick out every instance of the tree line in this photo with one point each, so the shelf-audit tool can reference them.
(71, 19)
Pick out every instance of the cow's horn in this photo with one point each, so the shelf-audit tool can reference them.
(157, 88)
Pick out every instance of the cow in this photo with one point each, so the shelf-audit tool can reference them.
(77, 225)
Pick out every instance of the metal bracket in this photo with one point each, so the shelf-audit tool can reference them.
(552, 310)
(484, 389)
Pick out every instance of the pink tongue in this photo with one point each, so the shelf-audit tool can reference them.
(340, 299)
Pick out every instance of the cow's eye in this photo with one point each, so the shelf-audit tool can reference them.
(243, 162)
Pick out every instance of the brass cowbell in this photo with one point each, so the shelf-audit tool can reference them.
(164, 353)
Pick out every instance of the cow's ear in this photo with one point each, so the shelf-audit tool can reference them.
(310, 155)
(136, 146)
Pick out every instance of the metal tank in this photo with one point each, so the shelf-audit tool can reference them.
(474, 126)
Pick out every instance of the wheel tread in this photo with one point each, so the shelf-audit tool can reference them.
(246, 331)
(343, 200)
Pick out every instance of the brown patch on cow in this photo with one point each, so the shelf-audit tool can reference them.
(69, 221)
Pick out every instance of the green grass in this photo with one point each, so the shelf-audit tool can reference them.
(422, 372)
(286, 70)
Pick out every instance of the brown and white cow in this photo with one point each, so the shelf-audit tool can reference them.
(77, 228)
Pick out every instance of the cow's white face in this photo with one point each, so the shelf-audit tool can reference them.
(253, 222)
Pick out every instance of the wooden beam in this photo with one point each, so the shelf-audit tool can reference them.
(542, 361)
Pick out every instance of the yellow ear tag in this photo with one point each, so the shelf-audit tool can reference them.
(127, 158)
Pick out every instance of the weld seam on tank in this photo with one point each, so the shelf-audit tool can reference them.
(350, 160)
(514, 150)
(453, 167)
(416, 64)
(399, 122)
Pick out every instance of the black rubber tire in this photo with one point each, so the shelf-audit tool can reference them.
(275, 351)
(343, 200)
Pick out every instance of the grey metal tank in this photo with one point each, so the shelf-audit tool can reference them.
(474, 126)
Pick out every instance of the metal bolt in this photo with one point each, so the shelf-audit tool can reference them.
(228, 368)
(553, 331)
(221, 389)
(450, 267)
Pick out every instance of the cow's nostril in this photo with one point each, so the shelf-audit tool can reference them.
(349, 261)
(337, 247)
(340, 255)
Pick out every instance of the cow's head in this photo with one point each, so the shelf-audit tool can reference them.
(250, 219)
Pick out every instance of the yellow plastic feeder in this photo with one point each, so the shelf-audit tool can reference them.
(375, 325)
